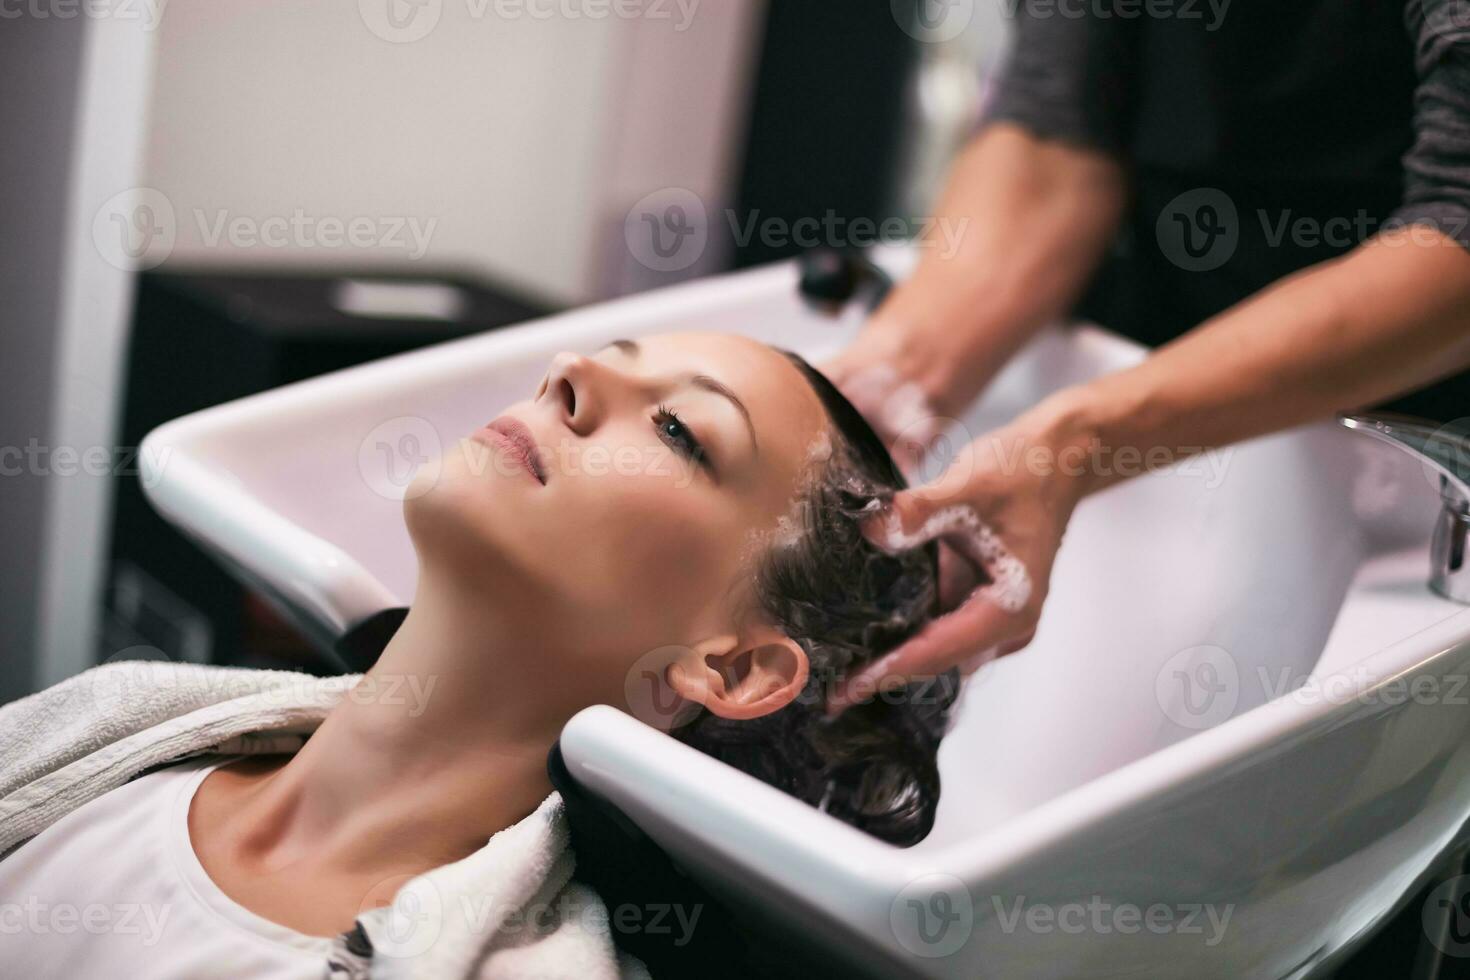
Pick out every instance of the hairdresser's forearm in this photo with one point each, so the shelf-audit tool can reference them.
(1021, 226)
(1391, 316)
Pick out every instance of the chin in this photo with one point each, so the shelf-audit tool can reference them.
(474, 529)
(449, 500)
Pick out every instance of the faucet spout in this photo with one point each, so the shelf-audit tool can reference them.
(1445, 449)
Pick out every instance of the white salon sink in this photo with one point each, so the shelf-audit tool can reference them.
(1236, 744)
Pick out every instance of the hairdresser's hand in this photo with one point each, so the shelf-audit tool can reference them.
(1017, 233)
(910, 376)
(1001, 510)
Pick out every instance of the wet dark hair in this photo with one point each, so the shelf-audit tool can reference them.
(846, 602)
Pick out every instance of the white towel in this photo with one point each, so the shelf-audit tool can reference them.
(509, 910)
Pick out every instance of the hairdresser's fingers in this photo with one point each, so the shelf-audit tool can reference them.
(914, 518)
(1018, 644)
(978, 625)
(902, 414)
(975, 662)
(905, 522)
(854, 373)
(876, 345)
(920, 445)
(840, 368)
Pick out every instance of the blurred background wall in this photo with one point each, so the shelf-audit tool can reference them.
(70, 142)
(522, 138)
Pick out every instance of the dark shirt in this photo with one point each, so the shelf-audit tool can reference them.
(1261, 136)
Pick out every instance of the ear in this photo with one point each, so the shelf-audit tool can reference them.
(742, 677)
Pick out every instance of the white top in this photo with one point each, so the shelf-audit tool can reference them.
(113, 889)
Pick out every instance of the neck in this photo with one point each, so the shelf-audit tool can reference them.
(441, 744)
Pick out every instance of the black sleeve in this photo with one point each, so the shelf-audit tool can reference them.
(1437, 166)
(1070, 78)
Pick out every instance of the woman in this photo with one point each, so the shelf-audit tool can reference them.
(689, 508)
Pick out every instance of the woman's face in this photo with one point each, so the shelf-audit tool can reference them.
(623, 505)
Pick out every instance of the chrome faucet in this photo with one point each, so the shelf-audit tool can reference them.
(1446, 450)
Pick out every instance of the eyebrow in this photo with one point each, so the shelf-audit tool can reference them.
(704, 381)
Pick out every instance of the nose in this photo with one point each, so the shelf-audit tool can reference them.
(582, 390)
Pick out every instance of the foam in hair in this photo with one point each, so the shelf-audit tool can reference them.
(791, 525)
(1010, 584)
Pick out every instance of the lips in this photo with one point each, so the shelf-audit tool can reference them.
(513, 438)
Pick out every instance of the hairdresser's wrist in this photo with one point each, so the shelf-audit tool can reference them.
(949, 335)
(1074, 430)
